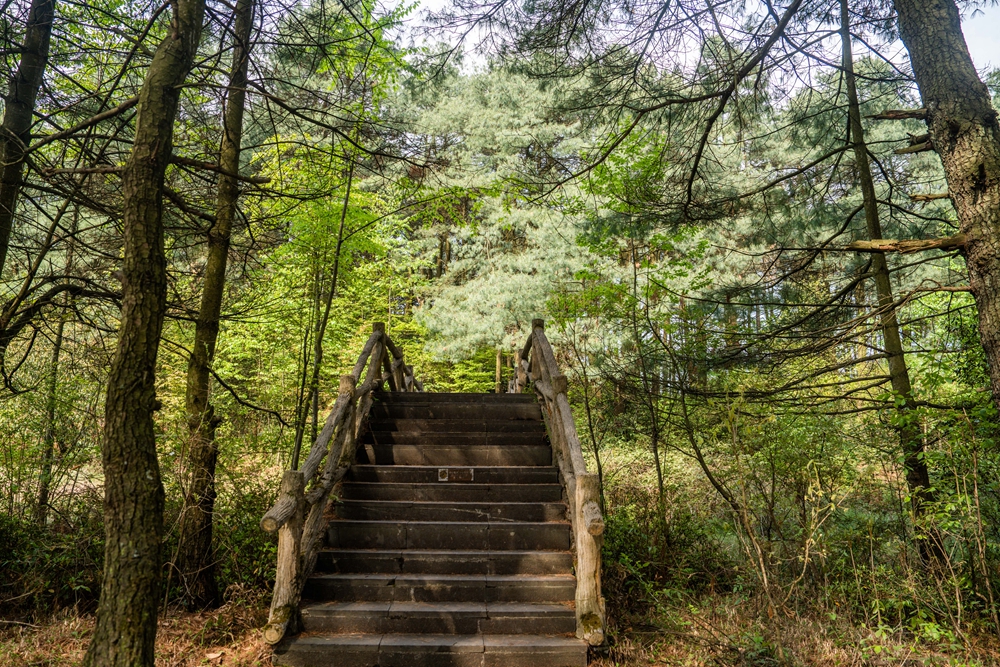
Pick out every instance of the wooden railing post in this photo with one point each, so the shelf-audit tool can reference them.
(284, 602)
(589, 529)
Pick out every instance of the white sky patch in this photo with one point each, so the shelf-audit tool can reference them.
(981, 27)
(982, 34)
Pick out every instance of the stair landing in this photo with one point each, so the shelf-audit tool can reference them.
(450, 546)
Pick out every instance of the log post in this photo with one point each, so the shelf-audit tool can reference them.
(399, 374)
(590, 619)
(499, 370)
(366, 352)
(284, 602)
(365, 399)
(389, 374)
(519, 378)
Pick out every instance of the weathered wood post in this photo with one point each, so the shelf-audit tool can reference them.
(288, 514)
(589, 531)
(534, 361)
(373, 370)
(518, 373)
(397, 368)
(499, 372)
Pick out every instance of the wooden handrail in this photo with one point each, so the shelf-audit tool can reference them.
(298, 513)
(536, 364)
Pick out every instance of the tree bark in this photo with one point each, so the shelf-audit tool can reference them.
(125, 631)
(910, 439)
(195, 562)
(15, 134)
(49, 436)
(965, 133)
(908, 245)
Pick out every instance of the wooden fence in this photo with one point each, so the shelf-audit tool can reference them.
(298, 513)
(536, 364)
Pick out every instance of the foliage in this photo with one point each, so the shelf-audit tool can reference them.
(726, 358)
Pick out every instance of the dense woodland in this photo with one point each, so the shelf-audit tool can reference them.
(765, 240)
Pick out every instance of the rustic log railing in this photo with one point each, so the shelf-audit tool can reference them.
(536, 363)
(298, 513)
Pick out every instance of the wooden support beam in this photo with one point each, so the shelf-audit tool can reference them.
(377, 334)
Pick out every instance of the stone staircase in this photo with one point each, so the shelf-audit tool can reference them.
(450, 545)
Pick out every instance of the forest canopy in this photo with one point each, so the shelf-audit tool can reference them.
(764, 239)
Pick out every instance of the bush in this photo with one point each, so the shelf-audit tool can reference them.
(51, 567)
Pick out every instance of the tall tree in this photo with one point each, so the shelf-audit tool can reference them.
(133, 491)
(964, 131)
(194, 554)
(911, 441)
(19, 107)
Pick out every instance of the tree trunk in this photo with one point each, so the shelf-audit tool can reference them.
(965, 133)
(195, 563)
(125, 631)
(49, 436)
(15, 135)
(917, 478)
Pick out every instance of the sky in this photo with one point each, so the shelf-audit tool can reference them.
(982, 34)
(981, 28)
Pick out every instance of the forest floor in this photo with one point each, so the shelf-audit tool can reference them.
(727, 631)
(227, 636)
(718, 633)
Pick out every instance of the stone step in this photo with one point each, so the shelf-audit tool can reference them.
(460, 618)
(436, 426)
(464, 536)
(410, 510)
(436, 397)
(456, 411)
(423, 561)
(463, 474)
(425, 650)
(559, 588)
(469, 439)
(458, 493)
(462, 455)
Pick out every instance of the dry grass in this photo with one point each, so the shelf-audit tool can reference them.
(720, 632)
(228, 636)
(726, 633)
